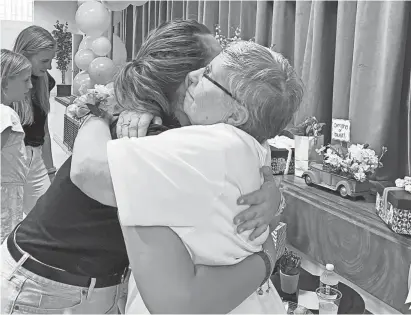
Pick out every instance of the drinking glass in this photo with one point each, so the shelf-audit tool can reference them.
(329, 300)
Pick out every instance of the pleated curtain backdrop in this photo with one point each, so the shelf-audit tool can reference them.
(354, 59)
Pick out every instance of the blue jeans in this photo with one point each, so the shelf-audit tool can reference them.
(23, 292)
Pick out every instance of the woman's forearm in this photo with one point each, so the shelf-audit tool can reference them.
(169, 282)
(89, 166)
(46, 150)
(228, 285)
(240, 281)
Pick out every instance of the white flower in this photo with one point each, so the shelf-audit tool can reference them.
(110, 86)
(360, 176)
(83, 89)
(102, 91)
(72, 109)
(355, 151)
(354, 167)
(83, 99)
(400, 183)
(408, 188)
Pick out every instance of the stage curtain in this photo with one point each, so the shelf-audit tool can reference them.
(354, 59)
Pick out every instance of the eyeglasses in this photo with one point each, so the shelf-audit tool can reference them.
(207, 70)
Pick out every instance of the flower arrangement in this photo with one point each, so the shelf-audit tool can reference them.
(310, 127)
(290, 263)
(404, 183)
(357, 162)
(101, 96)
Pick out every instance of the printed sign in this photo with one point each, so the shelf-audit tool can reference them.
(340, 130)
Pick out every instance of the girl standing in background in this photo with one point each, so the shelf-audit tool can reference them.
(15, 84)
(39, 46)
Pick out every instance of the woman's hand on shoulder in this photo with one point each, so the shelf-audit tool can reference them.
(265, 205)
(135, 124)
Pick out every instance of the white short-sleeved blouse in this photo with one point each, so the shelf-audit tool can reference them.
(13, 153)
(190, 179)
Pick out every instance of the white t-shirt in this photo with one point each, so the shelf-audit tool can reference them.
(13, 154)
(190, 179)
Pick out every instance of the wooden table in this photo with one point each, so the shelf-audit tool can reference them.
(351, 302)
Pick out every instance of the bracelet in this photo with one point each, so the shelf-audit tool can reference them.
(269, 266)
(281, 206)
(86, 118)
(51, 170)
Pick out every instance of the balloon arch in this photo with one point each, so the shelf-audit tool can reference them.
(99, 56)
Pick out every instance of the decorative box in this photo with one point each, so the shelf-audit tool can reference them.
(279, 158)
(305, 152)
(279, 236)
(71, 127)
(393, 206)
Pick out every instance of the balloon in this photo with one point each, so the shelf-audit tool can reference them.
(83, 58)
(86, 42)
(119, 51)
(101, 46)
(102, 70)
(139, 3)
(80, 2)
(116, 5)
(81, 78)
(92, 18)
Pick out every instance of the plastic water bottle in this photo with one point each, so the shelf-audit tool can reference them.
(329, 279)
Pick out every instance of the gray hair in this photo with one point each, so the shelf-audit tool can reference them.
(266, 84)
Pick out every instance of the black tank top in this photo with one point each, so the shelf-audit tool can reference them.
(35, 132)
(69, 230)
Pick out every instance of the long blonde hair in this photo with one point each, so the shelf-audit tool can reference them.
(12, 64)
(30, 42)
(163, 61)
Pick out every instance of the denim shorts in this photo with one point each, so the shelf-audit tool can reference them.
(23, 292)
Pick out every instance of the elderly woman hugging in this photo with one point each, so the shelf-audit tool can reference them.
(187, 180)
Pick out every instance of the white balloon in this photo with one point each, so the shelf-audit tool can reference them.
(101, 46)
(82, 78)
(80, 2)
(119, 51)
(83, 58)
(139, 3)
(92, 18)
(116, 5)
(102, 70)
(86, 42)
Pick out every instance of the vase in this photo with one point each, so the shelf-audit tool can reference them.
(305, 152)
(289, 283)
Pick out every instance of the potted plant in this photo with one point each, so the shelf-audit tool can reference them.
(63, 55)
(289, 271)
